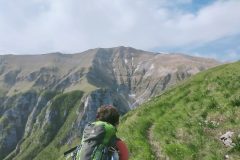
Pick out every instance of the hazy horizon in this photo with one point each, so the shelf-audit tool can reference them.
(206, 28)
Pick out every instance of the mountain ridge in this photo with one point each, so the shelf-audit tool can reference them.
(30, 87)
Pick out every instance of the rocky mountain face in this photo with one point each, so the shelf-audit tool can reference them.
(47, 99)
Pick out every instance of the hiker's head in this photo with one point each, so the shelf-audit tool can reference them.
(108, 114)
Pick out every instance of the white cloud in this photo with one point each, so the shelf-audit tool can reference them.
(41, 26)
(227, 56)
(209, 55)
(232, 56)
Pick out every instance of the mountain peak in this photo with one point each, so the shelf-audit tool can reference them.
(41, 94)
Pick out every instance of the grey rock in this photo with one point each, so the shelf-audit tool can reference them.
(122, 76)
(227, 139)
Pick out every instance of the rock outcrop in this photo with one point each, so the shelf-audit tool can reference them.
(227, 139)
(124, 77)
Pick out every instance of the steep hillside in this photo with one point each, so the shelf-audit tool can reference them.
(135, 74)
(189, 121)
(34, 90)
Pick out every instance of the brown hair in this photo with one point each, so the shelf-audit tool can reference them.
(108, 113)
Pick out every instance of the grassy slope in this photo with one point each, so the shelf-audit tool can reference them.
(187, 121)
(56, 148)
(46, 139)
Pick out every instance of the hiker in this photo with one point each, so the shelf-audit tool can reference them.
(100, 137)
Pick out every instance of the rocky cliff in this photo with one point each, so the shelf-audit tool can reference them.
(47, 99)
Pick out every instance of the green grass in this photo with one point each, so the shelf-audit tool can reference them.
(46, 139)
(184, 123)
(189, 119)
(59, 145)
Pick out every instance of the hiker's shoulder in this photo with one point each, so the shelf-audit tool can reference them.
(102, 123)
(123, 150)
(119, 141)
(121, 144)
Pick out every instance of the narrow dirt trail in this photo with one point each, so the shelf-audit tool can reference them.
(155, 145)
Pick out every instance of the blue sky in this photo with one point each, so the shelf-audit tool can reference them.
(207, 28)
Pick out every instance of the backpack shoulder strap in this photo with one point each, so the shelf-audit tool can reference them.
(93, 132)
(110, 131)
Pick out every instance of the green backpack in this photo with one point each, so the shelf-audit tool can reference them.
(98, 143)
